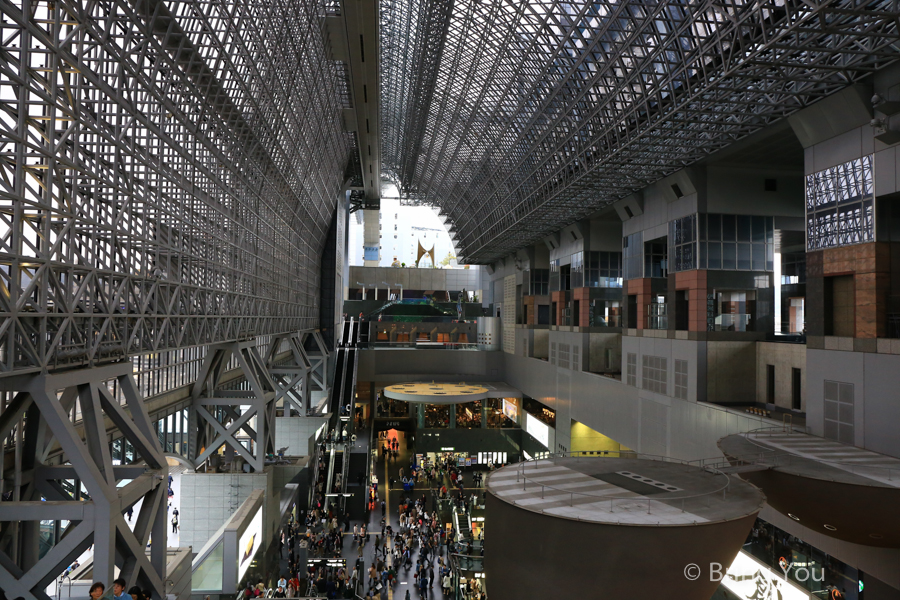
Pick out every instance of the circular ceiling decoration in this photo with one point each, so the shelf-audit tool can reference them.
(436, 393)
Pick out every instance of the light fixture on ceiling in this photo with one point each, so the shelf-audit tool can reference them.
(829, 527)
(793, 516)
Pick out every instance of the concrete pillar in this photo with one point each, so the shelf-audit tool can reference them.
(371, 239)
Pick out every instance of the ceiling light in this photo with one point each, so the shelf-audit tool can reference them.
(830, 527)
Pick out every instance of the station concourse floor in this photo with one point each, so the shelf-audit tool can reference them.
(405, 580)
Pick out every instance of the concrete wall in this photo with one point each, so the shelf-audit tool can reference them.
(604, 346)
(533, 342)
(416, 279)
(661, 205)
(585, 439)
(578, 344)
(785, 358)
(875, 379)
(652, 343)
(741, 190)
(209, 499)
(642, 421)
(731, 372)
(295, 433)
(442, 365)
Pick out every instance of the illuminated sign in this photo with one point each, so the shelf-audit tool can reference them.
(250, 542)
(538, 430)
(510, 410)
(750, 579)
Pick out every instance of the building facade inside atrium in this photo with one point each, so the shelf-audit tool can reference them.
(661, 359)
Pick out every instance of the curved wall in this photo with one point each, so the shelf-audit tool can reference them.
(531, 555)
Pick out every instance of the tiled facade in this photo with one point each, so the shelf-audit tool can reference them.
(869, 265)
(642, 288)
(582, 295)
(695, 283)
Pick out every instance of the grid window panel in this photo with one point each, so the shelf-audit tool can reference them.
(563, 356)
(681, 379)
(631, 369)
(840, 205)
(839, 411)
(654, 373)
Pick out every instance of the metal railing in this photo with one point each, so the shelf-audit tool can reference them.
(623, 502)
(774, 457)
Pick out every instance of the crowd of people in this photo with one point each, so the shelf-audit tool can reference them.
(98, 588)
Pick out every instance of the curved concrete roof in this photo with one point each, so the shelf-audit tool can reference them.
(625, 491)
(806, 455)
(448, 393)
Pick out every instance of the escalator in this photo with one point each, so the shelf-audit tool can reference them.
(341, 421)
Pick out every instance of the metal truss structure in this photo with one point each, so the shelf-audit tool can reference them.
(840, 205)
(168, 175)
(221, 412)
(47, 492)
(517, 118)
(246, 404)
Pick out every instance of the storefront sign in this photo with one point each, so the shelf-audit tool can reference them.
(538, 430)
(510, 410)
(250, 542)
(750, 579)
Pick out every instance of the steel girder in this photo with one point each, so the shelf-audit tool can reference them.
(544, 112)
(219, 414)
(43, 409)
(168, 172)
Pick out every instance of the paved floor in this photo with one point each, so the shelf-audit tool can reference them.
(404, 586)
(405, 580)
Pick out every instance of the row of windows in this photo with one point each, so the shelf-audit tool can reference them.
(654, 374)
(703, 241)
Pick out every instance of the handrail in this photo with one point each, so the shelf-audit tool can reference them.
(777, 454)
(522, 476)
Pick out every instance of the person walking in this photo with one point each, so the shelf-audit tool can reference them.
(174, 523)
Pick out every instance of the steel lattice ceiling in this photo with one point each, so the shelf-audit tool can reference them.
(516, 118)
(168, 174)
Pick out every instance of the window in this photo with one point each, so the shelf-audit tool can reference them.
(576, 358)
(735, 242)
(683, 243)
(633, 256)
(839, 411)
(632, 311)
(603, 269)
(605, 313)
(796, 390)
(840, 205)
(562, 359)
(735, 311)
(554, 275)
(631, 369)
(682, 310)
(552, 353)
(654, 373)
(681, 379)
(770, 384)
(539, 282)
(655, 258)
(576, 270)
